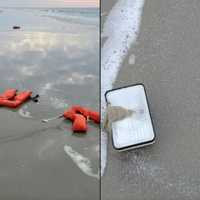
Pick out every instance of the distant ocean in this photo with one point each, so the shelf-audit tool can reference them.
(76, 15)
(75, 12)
(82, 16)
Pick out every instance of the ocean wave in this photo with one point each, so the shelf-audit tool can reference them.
(50, 17)
(88, 16)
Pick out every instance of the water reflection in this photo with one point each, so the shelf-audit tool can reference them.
(58, 66)
(58, 60)
(62, 68)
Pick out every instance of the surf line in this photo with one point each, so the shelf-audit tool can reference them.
(81, 161)
(120, 30)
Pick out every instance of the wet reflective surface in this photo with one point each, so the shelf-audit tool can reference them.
(63, 68)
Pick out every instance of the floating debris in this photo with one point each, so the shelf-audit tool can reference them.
(16, 27)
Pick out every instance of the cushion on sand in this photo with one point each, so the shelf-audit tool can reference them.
(136, 130)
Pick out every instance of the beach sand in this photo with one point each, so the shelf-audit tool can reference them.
(167, 62)
(50, 57)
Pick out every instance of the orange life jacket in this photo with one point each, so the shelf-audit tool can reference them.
(11, 99)
(78, 120)
(88, 113)
(79, 115)
(79, 124)
(8, 94)
(95, 116)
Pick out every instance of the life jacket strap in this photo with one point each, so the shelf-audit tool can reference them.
(35, 98)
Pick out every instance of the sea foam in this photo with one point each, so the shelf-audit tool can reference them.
(81, 161)
(121, 30)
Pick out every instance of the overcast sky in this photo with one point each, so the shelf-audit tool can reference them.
(49, 3)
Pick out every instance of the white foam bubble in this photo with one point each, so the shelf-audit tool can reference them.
(131, 59)
(82, 162)
(121, 30)
(23, 112)
(66, 16)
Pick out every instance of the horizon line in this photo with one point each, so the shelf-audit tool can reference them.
(50, 7)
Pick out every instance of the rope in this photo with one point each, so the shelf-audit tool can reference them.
(35, 98)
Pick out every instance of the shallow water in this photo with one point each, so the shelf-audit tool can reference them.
(62, 66)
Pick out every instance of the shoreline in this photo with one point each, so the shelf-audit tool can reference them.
(115, 49)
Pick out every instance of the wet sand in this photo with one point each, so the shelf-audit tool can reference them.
(167, 62)
(34, 164)
(55, 64)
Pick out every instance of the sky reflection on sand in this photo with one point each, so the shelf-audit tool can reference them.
(59, 66)
(48, 62)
